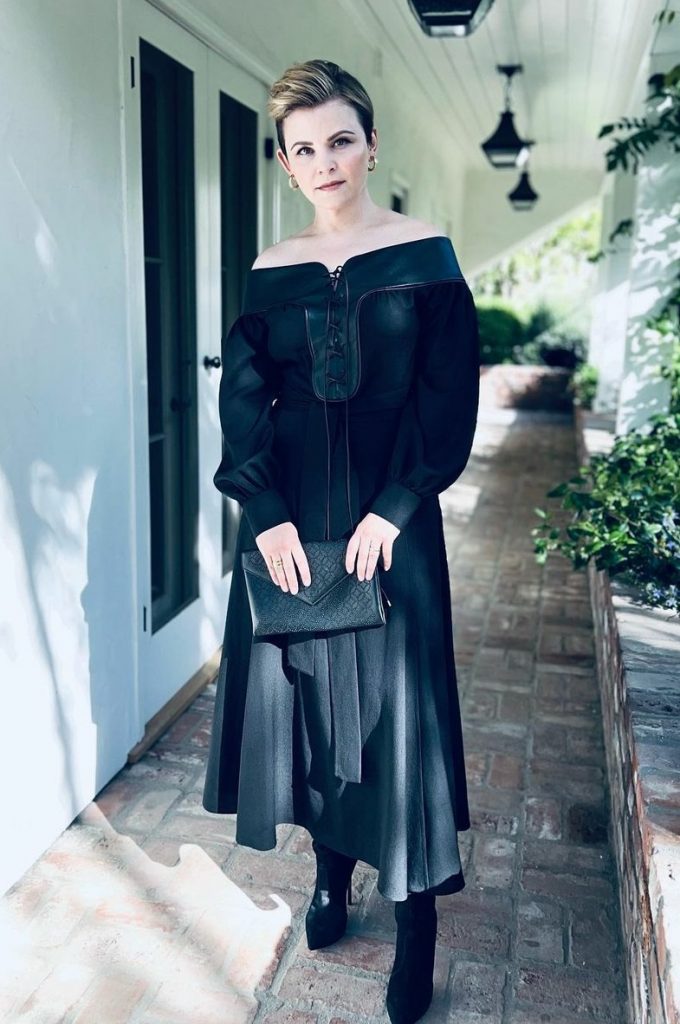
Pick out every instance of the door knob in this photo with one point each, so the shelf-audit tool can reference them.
(212, 361)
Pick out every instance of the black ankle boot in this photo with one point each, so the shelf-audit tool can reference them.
(326, 919)
(410, 988)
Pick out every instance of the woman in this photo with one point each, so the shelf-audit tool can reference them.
(348, 403)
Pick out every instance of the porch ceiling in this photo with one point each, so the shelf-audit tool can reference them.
(580, 58)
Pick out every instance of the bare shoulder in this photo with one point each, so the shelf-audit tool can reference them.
(275, 255)
(414, 228)
(393, 228)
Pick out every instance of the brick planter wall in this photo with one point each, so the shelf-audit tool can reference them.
(510, 386)
(638, 658)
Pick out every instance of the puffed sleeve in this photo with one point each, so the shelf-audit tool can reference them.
(437, 425)
(248, 470)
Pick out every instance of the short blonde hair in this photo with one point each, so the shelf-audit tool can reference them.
(312, 82)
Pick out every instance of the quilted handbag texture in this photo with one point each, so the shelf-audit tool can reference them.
(334, 600)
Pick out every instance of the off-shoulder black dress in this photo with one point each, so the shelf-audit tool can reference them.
(343, 393)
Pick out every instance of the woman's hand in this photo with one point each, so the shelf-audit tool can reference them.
(377, 533)
(281, 543)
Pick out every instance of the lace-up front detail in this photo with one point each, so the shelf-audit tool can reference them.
(335, 378)
(336, 366)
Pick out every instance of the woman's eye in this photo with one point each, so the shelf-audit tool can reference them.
(301, 151)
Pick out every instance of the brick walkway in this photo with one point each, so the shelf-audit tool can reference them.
(108, 926)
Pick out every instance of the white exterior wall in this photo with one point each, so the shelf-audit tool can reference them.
(67, 658)
(654, 267)
(70, 611)
(655, 260)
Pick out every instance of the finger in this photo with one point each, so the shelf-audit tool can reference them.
(279, 570)
(372, 559)
(300, 557)
(291, 575)
(362, 560)
(350, 553)
(387, 554)
(269, 562)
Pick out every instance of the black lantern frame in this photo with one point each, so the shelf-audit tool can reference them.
(523, 196)
(504, 148)
(450, 17)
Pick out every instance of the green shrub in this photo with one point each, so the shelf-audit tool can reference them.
(504, 338)
(541, 319)
(625, 508)
(583, 385)
(499, 332)
(671, 373)
(555, 346)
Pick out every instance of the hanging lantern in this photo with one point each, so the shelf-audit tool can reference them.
(505, 148)
(523, 196)
(450, 17)
(658, 99)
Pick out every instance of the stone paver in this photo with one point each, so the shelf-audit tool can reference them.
(145, 911)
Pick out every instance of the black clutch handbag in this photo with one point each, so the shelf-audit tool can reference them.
(334, 600)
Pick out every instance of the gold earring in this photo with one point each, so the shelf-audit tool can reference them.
(292, 182)
(374, 158)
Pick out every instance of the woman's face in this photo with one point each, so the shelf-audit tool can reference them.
(327, 144)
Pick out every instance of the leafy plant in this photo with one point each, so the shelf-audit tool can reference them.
(556, 346)
(625, 228)
(583, 385)
(671, 372)
(665, 323)
(541, 319)
(625, 512)
(561, 348)
(624, 506)
(644, 133)
(499, 332)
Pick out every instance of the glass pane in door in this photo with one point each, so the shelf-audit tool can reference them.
(238, 191)
(168, 192)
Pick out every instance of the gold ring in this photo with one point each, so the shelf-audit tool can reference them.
(278, 562)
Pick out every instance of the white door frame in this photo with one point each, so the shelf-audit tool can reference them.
(168, 658)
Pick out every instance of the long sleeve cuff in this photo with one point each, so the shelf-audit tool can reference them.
(266, 509)
(396, 503)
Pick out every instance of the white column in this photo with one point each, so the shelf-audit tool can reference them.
(655, 261)
(610, 307)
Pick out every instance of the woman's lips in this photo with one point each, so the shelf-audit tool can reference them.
(330, 186)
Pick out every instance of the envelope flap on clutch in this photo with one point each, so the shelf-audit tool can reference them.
(326, 563)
